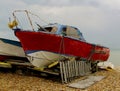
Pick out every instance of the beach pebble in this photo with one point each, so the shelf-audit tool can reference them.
(14, 82)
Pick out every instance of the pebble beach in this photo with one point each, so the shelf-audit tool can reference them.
(16, 82)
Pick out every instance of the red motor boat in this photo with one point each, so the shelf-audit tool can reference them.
(52, 41)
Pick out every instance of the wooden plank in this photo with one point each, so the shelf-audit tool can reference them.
(21, 64)
(45, 71)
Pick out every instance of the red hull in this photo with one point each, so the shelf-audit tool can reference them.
(39, 41)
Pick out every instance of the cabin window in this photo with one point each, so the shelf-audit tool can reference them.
(54, 30)
(48, 29)
(51, 29)
(72, 32)
(64, 31)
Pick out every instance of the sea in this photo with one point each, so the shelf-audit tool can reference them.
(114, 57)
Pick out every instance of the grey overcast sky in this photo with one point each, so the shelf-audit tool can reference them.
(98, 20)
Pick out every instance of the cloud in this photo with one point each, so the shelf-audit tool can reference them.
(115, 4)
(73, 15)
(98, 23)
(98, 19)
(55, 3)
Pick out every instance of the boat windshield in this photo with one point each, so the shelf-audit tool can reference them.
(64, 30)
(72, 32)
(51, 29)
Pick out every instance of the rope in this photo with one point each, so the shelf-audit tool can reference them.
(38, 17)
(92, 52)
(61, 47)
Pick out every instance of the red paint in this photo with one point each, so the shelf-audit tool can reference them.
(63, 45)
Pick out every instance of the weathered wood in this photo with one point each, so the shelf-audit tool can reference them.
(27, 64)
(49, 71)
